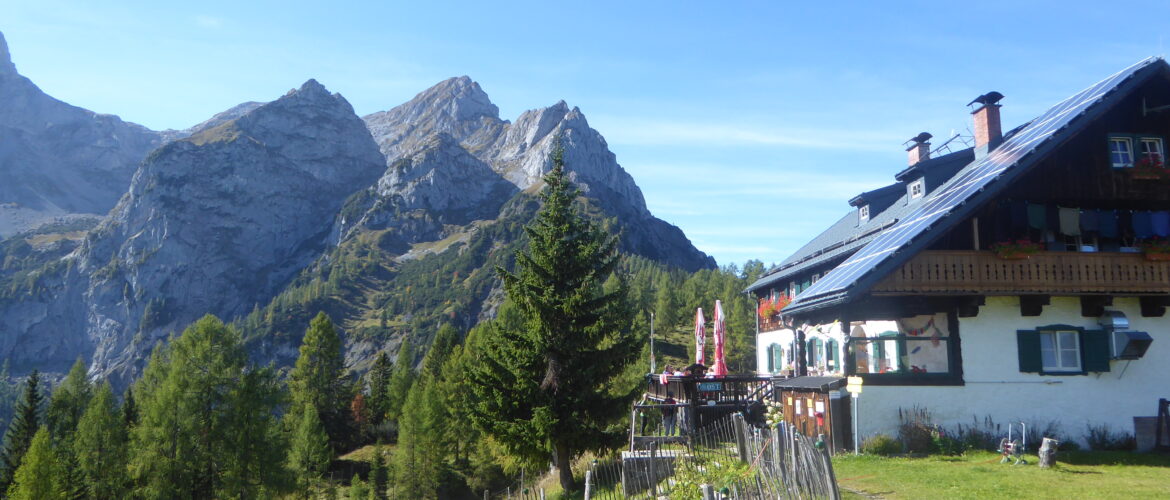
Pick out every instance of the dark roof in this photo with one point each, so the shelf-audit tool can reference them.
(937, 169)
(968, 189)
(887, 205)
(816, 383)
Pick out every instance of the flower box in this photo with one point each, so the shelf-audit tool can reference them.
(1015, 250)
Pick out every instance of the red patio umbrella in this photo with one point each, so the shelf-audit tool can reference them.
(720, 367)
(700, 337)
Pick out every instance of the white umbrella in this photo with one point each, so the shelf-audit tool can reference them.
(720, 367)
(700, 337)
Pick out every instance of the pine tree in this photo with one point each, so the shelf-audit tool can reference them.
(34, 477)
(100, 445)
(25, 422)
(358, 489)
(68, 403)
(551, 386)
(207, 426)
(309, 452)
(317, 380)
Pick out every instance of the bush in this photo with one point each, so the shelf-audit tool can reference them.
(980, 435)
(915, 429)
(881, 444)
(946, 445)
(1102, 438)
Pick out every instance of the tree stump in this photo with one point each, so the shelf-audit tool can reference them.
(1048, 452)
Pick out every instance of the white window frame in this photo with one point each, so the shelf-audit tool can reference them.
(1056, 342)
(917, 188)
(863, 214)
(1128, 151)
(1155, 151)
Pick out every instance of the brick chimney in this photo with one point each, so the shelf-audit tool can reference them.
(988, 130)
(919, 148)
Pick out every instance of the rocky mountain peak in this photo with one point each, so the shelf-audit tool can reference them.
(455, 106)
(460, 98)
(6, 65)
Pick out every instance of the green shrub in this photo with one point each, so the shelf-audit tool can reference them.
(882, 445)
(916, 429)
(1102, 438)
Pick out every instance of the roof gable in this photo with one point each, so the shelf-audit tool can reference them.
(973, 184)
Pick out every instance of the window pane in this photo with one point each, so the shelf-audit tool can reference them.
(928, 356)
(1068, 359)
(1048, 350)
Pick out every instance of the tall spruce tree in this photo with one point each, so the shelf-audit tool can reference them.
(25, 422)
(100, 445)
(378, 379)
(552, 386)
(318, 380)
(207, 424)
(68, 403)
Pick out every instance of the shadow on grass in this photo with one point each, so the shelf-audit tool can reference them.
(1114, 458)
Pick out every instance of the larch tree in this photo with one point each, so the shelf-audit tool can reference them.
(26, 419)
(207, 425)
(100, 446)
(309, 452)
(318, 380)
(68, 403)
(401, 379)
(35, 477)
(553, 386)
(423, 437)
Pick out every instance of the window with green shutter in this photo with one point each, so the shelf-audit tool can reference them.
(1062, 350)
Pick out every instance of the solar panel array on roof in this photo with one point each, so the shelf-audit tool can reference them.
(967, 182)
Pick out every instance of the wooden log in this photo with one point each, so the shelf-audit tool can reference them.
(1048, 452)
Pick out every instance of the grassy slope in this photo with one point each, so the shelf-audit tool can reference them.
(979, 475)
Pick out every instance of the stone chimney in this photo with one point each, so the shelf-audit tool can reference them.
(919, 148)
(988, 130)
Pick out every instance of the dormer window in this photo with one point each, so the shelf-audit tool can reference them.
(863, 214)
(916, 189)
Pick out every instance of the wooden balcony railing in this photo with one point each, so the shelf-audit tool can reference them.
(773, 323)
(975, 272)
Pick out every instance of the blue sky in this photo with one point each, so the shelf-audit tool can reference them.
(747, 124)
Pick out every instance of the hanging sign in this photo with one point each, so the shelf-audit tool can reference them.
(853, 385)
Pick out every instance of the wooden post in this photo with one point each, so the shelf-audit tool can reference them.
(653, 476)
(741, 437)
(485, 494)
(588, 483)
(834, 491)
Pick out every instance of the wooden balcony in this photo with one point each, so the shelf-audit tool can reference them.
(1066, 273)
(776, 322)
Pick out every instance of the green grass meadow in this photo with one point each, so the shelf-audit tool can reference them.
(979, 475)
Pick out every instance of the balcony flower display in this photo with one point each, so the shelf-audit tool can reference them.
(1150, 167)
(1014, 250)
(771, 307)
(1156, 249)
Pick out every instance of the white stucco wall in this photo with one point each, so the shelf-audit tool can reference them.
(782, 337)
(995, 386)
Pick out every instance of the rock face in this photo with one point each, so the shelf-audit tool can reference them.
(456, 126)
(220, 218)
(57, 159)
(220, 221)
